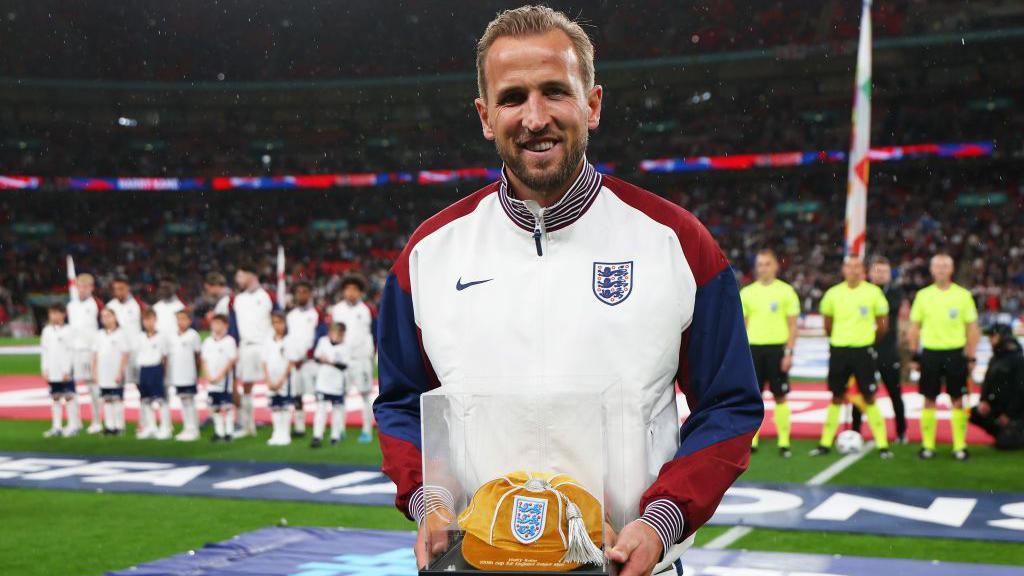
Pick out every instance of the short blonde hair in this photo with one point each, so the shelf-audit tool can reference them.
(530, 21)
(86, 277)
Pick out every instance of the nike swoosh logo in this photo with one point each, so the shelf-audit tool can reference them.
(460, 286)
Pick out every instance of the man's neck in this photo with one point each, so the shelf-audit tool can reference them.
(766, 281)
(853, 283)
(944, 285)
(545, 198)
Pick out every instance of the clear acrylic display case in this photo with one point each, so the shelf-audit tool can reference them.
(475, 431)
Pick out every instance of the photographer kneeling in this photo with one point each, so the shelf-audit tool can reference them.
(1001, 409)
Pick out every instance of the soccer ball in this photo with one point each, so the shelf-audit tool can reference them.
(849, 442)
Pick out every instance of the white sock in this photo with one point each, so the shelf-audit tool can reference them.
(74, 413)
(165, 417)
(367, 414)
(189, 418)
(320, 418)
(95, 399)
(337, 420)
(145, 415)
(55, 413)
(281, 424)
(108, 415)
(248, 415)
(229, 420)
(119, 413)
(218, 423)
(300, 418)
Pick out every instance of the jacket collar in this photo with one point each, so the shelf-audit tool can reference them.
(567, 210)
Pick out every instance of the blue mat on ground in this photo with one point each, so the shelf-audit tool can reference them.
(339, 552)
(217, 478)
(869, 510)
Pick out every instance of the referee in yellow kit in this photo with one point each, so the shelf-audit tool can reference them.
(770, 310)
(856, 312)
(944, 322)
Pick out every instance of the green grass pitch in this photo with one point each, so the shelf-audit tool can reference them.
(109, 531)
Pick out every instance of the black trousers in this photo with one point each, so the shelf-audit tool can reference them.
(889, 370)
(1008, 437)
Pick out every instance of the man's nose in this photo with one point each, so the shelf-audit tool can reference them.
(536, 116)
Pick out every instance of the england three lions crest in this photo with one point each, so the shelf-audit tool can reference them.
(613, 281)
(528, 518)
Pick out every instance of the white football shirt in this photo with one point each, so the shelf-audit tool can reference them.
(218, 353)
(84, 319)
(181, 358)
(166, 321)
(358, 321)
(150, 350)
(57, 355)
(109, 348)
(252, 316)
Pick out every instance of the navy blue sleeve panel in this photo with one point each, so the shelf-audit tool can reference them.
(233, 320)
(404, 376)
(717, 374)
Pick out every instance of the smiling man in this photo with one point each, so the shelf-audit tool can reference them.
(557, 270)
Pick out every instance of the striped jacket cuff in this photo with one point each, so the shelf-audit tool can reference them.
(429, 500)
(417, 507)
(666, 519)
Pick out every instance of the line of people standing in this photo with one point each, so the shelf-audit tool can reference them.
(861, 320)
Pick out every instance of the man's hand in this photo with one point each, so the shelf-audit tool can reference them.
(435, 525)
(787, 363)
(984, 408)
(637, 549)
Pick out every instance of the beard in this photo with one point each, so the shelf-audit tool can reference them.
(547, 181)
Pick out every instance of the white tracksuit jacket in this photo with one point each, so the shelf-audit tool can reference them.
(611, 279)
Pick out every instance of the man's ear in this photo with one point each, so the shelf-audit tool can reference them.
(594, 104)
(481, 110)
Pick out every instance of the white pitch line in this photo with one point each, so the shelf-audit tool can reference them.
(840, 465)
(730, 536)
(727, 538)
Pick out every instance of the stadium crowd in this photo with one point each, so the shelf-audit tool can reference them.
(913, 212)
(312, 39)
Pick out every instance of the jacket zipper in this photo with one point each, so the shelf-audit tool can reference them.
(538, 224)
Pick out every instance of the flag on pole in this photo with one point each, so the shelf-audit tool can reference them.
(860, 142)
(72, 279)
(281, 288)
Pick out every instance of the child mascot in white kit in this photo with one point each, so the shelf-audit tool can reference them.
(332, 355)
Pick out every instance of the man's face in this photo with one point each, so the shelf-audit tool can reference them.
(213, 290)
(942, 268)
(243, 279)
(767, 267)
(121, 290)
(302, 295)
(85, 288)
(853, 270)
(538, 110)
(351, 293)
(55, 317)
(184, 322)
(880, 274)
(164, 291)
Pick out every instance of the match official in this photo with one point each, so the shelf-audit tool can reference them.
(556, 269)
(887, 346)
(944, 323)
(856, 313)
(770, 310)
